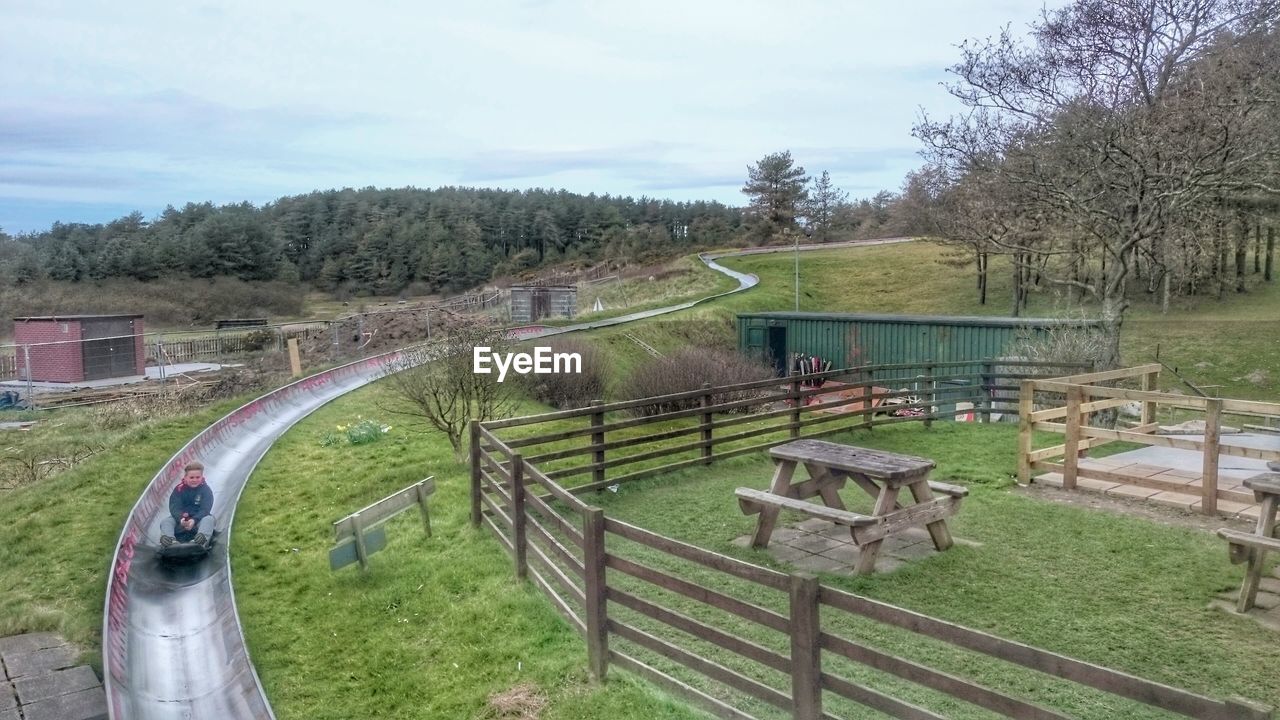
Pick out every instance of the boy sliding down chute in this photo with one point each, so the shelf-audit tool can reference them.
(188, 531)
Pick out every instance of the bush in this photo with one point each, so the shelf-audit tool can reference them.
(566, 391)
(688, 369)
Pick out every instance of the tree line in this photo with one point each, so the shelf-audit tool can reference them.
(372, 241)
(1120, 148)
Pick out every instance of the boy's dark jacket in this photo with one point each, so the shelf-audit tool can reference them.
(196, 502)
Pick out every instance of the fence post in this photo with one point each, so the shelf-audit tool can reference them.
(597, 438)
(795, 405)
(806, 650)
(422, 507)
(930, 386)
(161, 356)
(519, 541)
(1150, 383)
(1026, 405)
(31, 391)
(595, 588)
(987, 394)
(1071, 457)
(1212, 433)
(362, 554)
(475, 473)
(706, 423)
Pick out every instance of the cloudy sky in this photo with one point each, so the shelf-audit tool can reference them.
(110, 107)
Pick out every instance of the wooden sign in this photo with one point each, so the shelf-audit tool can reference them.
(360, 534)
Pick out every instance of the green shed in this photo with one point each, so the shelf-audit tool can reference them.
(851, 339)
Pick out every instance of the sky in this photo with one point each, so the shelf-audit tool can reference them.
(111, 107)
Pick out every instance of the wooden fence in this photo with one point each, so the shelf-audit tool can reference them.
(1082, 396)
(212, 347)
(740, 639)
(8, 365)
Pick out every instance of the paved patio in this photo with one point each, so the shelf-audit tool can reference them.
(39, 680)
(1177, 474)
(1266, 609)
(815, 545)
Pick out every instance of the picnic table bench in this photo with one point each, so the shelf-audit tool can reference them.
(881, 474)
(1252, 547)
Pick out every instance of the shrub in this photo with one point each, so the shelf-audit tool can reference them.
(566, 391)
(688, 369)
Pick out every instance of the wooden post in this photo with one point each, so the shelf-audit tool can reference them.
(1257, 556)
(1150, 383)
(806, 649)
(706, 423)
(1209, 474)
(519, 540)
(1071, 456)
(597, 438)
(795, 406)
(475, 473)
(594, 581)
(930, 387)
(362, 554)
(988, 371)
(295, 361)
(1026, 404)
(422, 506)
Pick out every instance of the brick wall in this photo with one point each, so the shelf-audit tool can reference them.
(62, 362)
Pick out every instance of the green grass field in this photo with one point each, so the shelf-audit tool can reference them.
(439, 624)
(434, 628)
(1215, 344)
(57, 536)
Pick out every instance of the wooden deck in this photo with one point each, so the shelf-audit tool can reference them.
(1169, 486)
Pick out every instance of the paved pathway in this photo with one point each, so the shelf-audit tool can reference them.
(39, 680)
(816, 545)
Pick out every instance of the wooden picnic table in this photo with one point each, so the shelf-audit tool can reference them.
(881, 474)
(1252, 547)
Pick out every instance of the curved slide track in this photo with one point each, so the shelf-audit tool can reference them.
(173, 648)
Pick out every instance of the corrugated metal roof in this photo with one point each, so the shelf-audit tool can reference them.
(966, 320)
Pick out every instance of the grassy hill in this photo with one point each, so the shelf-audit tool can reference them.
(1229, 347)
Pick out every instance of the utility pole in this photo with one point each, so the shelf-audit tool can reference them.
(797, 252)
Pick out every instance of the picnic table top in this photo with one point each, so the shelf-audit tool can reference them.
(872, 463)
(1268, 483)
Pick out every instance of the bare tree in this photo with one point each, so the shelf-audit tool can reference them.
(1103, 125)
(437, 383)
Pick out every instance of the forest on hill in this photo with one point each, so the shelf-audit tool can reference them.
(387, 241)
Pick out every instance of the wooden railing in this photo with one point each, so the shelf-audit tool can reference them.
(1082, 398)
(174, 350)
(738, 638)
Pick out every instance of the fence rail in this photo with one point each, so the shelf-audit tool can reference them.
(738, 638)
(1073, 401)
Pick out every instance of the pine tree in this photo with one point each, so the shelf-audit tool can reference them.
(776, 186)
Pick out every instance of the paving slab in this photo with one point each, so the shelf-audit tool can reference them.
(821, 563)
(30, 642)
(9, 715)
(52, 684)
(54, 658)
(1132, 491)
(7, 698)
(83, 705)
(787, 553)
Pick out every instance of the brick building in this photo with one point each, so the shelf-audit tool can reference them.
(75, 348)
